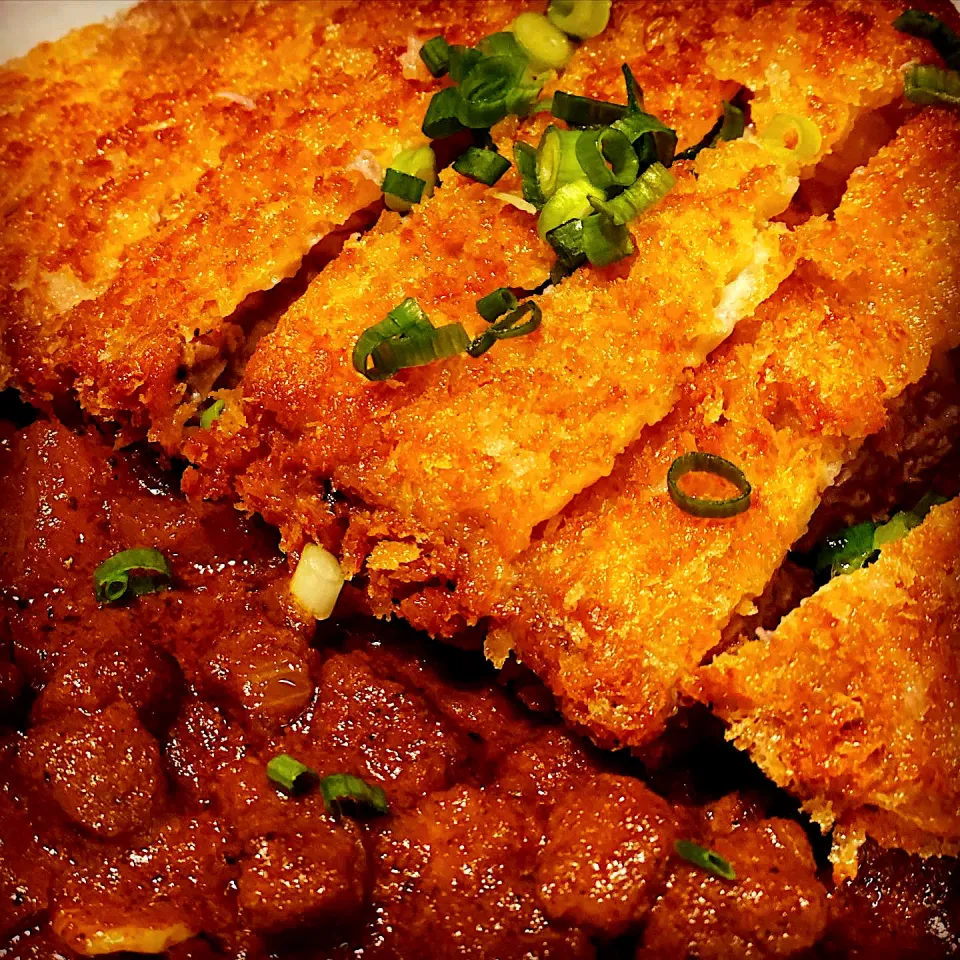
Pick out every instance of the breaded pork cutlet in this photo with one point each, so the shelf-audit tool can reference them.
(146, 349)
(625, 594)
(472, 453)
(853, 702)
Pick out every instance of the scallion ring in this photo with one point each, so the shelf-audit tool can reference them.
(924, 25)
(652, 140)
(502, 44)
(580, 18)
(567, 241)
(932, 86)
(545, 45)
(341, 790)
(461, 60)
(435, 53)
(729, 126)
(607, 158)
(496, 304)
(572, 201)
(794, 132)
(290, 775)
(580, 111)
(705, 859)
(484, 166)
(484, 91)
(131, 573)
(210, 416)
(440, 120)
(525, 157)
(650, 188)
(557, 161)
(697, 462)
(605, 242)
(508, 327)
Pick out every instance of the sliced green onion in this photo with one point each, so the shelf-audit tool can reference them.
(508, 327)
(605, 242)
(924, 25)
(794, 132)
(652, 139)
(850, 549)
(485, 166)
(729, 126)
(462, 60)
(341, 790)
(705, 859)
(580, 111)
(697, 462)
(435, 53)
(634, 90)
(503, 44)
(211, 414)
(932, 86)
(580, 18)
(401, 319)
(607, 157)
(401, 189)
(650, 188)
(557, 161)
(290, 775)
(418, 347)
(567, 241)
(525, 157)
(131, 573)
(545, 45)
(484, 91)
(440, 120)
(496, 304)
(570, 202)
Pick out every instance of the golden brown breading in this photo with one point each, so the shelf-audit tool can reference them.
(625, 593)
(853, 702)
(256, 188)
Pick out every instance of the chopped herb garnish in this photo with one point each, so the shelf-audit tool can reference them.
(932, 86)
(604, 241)
(131, 573)
(484, 91)
(729, 126)
(344, 790)
(580, 111)
(557, 162)
(435, 53)
(525, 158)
(697, 462)
(211, 414)
(440, 120)
(290, 775)
(607, 157)
(507, 327)
(567, 241)
(485, 166)
(403, 186)
(570, 202)
(496, 304)
(705, 859)
(650, 188)
(546, 46)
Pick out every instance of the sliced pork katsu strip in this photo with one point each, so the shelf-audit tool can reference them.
(625, 594)
(853, 702)
(488, 448)
(155, 338)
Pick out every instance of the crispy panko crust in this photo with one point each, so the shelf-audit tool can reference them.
(625, 594)
(486, 449)
(853, 702)
(224, 202)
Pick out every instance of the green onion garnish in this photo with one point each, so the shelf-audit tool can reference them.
(401, 320)
(932, 86)
(418, 347)
(567, 241)
(525, 158)
(542, 42)
(435, 53)
(794, 132)
(705, 859)
(557, 162)
(605, 242)
(729, 126)
(496, 304)
(634, 90)
(580, 111)
(211, 414)
(440, 120)
(571, 202)
(580, 18)
(461, 60)
(131, 573)
(343, 789)
(924, 25)
(696, 462)
(507, 327)
(607, 157)
(652, 139)
(402, 187)
(484, 91)
(650, 188)
(290, 775)
(503, 44)
(485, 166)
